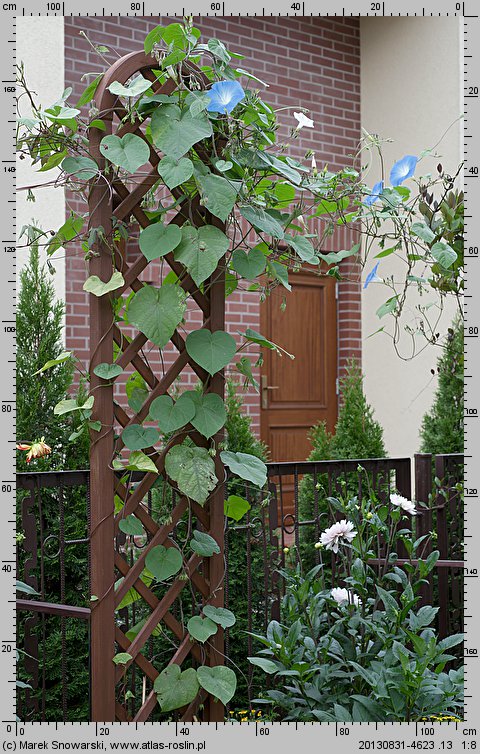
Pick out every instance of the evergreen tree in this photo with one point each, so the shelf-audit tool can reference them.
(357, 433)
(39, 339)
(442, 426)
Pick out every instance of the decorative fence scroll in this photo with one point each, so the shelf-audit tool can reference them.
(108, 200)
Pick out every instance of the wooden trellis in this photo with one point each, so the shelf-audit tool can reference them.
(109, 199)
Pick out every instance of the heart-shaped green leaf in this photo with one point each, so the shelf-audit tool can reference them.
(225, 618)
(139, 461)
(210, 414)
(131, 525)
(211, 350)
(236, 507)
(285, 194)
(422, 230)
(175, 689)
(223, 165)
(201, 628)
(279, 272)
(193, 470)
(83, 168)
(129, 152)
(158, 239)
(219, 50)
(388, 307)
(137, 392)
(198, 102)
(108, 371)
(174, 172)
(203, 544)
(157, 312)
(122, 658)
(163, 562)
(97, 287)
(172, 416)
(138, 86)
(71, 404)
(218, 195)
(443, 254)
(262, 220)
(250, 265)
(137, 437)
(246, 466)
(278, 166)
(61, 114)
(219, 681)
(175, 132)
(303, 247)
(200, 250)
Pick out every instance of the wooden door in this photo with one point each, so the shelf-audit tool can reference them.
(295, 394)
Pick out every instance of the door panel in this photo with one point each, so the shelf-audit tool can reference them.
(300, 392)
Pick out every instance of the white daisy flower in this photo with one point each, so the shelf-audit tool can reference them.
(331, 537)
(401, 502)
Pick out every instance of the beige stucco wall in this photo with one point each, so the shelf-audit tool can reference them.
(411, 93)
(40, 42)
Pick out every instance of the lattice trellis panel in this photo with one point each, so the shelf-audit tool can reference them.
(113, 199)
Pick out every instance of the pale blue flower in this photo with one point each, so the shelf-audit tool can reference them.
(224, 96)
(374, 195)
(372, 277)
(403, 169)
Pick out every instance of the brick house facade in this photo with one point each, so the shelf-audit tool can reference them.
(309, 62)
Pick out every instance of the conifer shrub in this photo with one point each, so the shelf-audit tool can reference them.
(442, 426)
(357, 435)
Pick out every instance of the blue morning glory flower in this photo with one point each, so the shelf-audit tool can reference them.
(224, 96)
(374, 195)
(372, 277)
(403, 169)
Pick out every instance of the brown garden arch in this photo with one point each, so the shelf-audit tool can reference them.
(108, 200)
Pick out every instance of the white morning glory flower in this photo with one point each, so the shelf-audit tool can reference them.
(224, 96)
(403, 169)
(303, 121)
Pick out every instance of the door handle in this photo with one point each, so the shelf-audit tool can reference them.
(265, 388)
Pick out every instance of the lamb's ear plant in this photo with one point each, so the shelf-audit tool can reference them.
(364, 650)
(247, 205)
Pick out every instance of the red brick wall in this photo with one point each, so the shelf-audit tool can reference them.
(309, 62)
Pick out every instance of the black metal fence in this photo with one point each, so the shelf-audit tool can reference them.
(290, 513)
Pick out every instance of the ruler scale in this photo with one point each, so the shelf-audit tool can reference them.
(214, 737)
